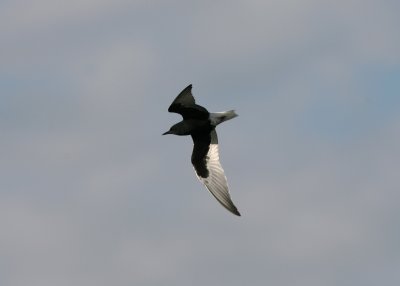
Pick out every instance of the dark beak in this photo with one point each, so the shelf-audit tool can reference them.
(168, 132)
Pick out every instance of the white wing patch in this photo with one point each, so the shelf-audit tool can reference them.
(216, 182)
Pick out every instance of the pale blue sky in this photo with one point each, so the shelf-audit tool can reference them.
(92, 194)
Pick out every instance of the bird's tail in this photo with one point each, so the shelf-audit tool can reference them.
(219, 117)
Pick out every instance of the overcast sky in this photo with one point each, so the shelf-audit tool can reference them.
(91, 194)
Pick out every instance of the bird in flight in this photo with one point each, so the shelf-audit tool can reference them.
(200, 124)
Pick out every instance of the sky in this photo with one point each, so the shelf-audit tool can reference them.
(92, 194)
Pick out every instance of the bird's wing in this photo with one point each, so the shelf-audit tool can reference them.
(185, 105)
(185, 97)
(205, 159)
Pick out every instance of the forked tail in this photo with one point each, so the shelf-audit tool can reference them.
(219, 117)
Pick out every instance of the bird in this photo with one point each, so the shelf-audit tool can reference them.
(200, 125)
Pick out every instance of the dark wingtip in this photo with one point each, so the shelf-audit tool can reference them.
(175, 106)
(236, 212)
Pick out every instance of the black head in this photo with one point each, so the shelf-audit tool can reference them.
(172, 130)
(181, 128)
